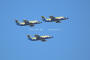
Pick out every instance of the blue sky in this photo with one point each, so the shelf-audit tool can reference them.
(70, 42)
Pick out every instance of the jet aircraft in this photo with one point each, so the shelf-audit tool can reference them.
(54, 19)
(26, 22)
(38, 37)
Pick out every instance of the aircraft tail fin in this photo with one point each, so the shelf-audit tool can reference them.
(43, 18)
(29, 37)
(17, 22)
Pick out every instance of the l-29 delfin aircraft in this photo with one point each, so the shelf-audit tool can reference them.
(26, 22)
(38, 37)
(54, 19)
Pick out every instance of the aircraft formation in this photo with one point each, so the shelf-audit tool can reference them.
(34, 22)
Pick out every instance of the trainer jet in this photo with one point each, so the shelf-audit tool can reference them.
(54, 19)
(26, 22)
(38, 37)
